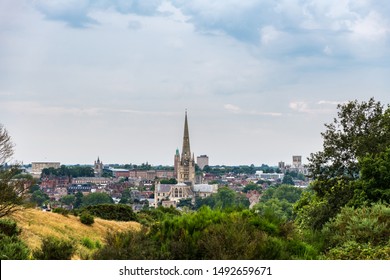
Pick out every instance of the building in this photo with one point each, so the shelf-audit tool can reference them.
(37, 167)
(150, 174)
(185, 164)
(202, 161)
(170, 195)
(99, 181)
(282, 166)
(297, 161)
(184, 168)
(98, 168)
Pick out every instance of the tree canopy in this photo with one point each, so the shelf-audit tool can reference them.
(354, 149)
(12, 190)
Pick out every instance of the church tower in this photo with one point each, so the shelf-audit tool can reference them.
(186, 165)
(98, 168)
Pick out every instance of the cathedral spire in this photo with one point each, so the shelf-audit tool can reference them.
(186, 151)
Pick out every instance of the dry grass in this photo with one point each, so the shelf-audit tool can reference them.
(36, 225)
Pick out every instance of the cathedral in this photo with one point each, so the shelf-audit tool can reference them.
(185, 164)
(184, 170)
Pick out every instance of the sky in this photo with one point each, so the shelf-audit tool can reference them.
(81, 79)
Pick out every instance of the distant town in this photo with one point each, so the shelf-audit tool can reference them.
(169, 186)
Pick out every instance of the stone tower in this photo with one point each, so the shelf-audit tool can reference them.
(98, 168)
(186, 164)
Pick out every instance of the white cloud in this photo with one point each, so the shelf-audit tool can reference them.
(232, 108)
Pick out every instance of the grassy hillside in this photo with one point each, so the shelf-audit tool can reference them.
(36, 225)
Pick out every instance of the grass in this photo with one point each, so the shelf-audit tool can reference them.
(36, 225)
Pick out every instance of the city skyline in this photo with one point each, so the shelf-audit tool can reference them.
(82, 79)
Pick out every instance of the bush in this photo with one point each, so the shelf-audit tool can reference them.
(86, 218)
(117, 212)
(11, 247)
(88, 243)
(55, 249)
(9, 227)
(361, 233)
(62, 211)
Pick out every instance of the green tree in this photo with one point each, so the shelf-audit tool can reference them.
(373, 184)
(39, 197)
(252, 186)
(359, 233)
(12, 191)
(68, 199)
(359, 129)
(79, 199)
(97, 198)
(288, 180)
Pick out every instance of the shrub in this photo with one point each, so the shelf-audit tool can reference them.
(55, 249)
(361, 233)
(9, 227)
(12, 248)
(88, 243)
(86, 218)
(62, 211)
(117, 212)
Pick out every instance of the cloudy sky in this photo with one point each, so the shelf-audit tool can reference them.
(112, 78)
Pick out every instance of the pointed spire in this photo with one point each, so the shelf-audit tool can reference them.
(186, 151)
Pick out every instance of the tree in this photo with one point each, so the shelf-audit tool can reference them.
(6, 146)
(374, 181)
(288, 180)
(252, 186)
(360, 129)
(39, 197)
(68, 199)
(12, 191)
(97, 198)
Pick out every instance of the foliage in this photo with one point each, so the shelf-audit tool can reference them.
(55, 249)
(78, 199)
(9, 227)
(225, 198)
(288, 180)
(361, 233)
(287, 192)
(68, 199)
(61, 211)
(168, 181)
(360, 129)
(96, 198)
(11, 247)
(281, 208)
(12, 190)
(117, 212)
(70, 171)
(374, 181)
(86, 218)
(251, 187)
(90, 244)
(210, 234)
(128, 245)
(39, 197)
(150, 216)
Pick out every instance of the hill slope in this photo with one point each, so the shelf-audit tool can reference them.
(36, 225)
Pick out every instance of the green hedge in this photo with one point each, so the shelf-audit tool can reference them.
(117, 212)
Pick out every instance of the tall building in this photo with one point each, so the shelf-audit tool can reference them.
(184, 168)
(185, 163)
(98, 168)
(297, 161)
(202, 161)
(37, 167)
